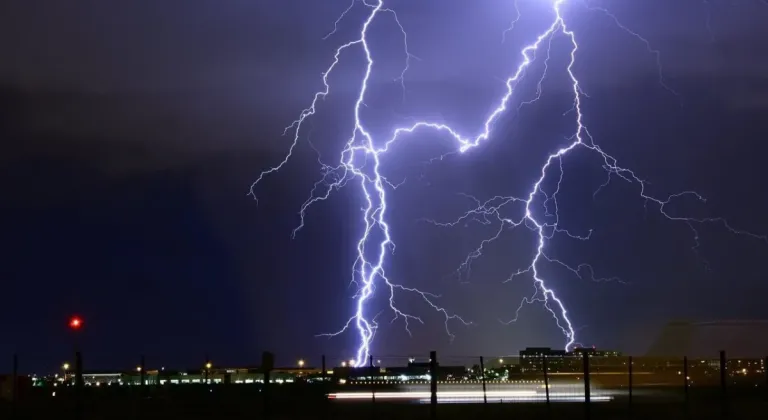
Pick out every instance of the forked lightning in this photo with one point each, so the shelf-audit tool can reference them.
(360, 161)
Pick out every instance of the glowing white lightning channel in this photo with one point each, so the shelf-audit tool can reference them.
(361, 157)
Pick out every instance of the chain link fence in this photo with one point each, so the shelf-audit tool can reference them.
(536, 382)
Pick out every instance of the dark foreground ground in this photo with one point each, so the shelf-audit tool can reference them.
(249, 403)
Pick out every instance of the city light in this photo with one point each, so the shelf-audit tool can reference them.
(426, 394)
(514, 381)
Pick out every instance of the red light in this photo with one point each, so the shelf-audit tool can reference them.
(75, 323)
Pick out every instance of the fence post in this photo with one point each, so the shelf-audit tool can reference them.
(630, 381)
(143, 391)
(765, 369)
(205, 367)
(325, 388)
(546, 378)
(15, 385)
(482, 379)
(267, 364)
(685, 378)
(372, 371)
(142, 372)
(723, 384)
(587, 394)
(160, 375)
(433, 384)
(79, 383)
(78, 372)
(325, 371)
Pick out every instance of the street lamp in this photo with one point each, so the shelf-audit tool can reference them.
(65, 368)
(207, 372)
(301, 363)
(351, 362)
(138, 368)
(343, 364)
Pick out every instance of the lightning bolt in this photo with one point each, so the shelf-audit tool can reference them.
(360, 161)
(513, 23)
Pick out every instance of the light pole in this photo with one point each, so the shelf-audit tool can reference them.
(65, 369)
(76, 324)
(140, 371)
(208, 366)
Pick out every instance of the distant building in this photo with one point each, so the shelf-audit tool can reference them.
(531, 359)
(601, 360)
(413, 371)
(592, 351)
(560, 361)
(215, 375)
(99, 378)
(420, 370)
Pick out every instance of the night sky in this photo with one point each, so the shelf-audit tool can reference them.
(132, 132)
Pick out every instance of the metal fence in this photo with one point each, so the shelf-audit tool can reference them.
(582, 385)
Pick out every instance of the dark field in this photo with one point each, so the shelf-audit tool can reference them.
(307, 402)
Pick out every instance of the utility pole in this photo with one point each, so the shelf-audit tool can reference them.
(546, 378)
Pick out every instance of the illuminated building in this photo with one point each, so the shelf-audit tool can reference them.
(531, 359)
(592, 351)
(560, 361)
(413, 371)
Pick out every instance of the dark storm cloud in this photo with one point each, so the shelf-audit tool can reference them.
(180, 76)
(719, 46)
(135, 128)
(192, 77)
(143, 45)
